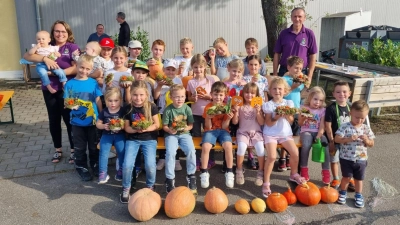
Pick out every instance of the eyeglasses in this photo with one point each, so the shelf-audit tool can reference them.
(60, 31)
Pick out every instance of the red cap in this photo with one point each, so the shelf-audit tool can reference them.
(107, 42)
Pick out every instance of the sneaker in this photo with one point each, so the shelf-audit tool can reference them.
(351, 186)
(169, 185)
(342, 197)
(239, 176)
(359, 200)
(84, 174)
(124, 197)
(103, 178)
(335, 183)
(211, 164)
(229, 179)
(178, 166)
(223, 169)
(260, 178)
(191, 179)
(118, 176)
(304, 173)
(138, 171)
(160, 164)
(198, 165)
(326, 176)
(205, 179)
(282, 165)
(111, 155)
(287, 163)
(95, 169)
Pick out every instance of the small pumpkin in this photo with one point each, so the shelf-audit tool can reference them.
(258, 205)
(144, 204)
(329, 194)
(215, 200)
(242, 206)
(290, 196)
(276, 202)
(308, 194)
(154, 69)
(179, 203)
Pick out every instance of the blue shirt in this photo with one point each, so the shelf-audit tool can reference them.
(86, 92)
(294, 95)
(95, 37)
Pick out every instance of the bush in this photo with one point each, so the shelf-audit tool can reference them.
(143, 37)
(381, 53)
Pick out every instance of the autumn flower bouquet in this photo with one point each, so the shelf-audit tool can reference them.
(140, 122)
(116, 124)
(109, 78)
(125, 80)
(71, 103)
(301, 78)
(163, 77)
(305, 112)
(285, 110)
(178, 125)
(131, 62)
(216, 110)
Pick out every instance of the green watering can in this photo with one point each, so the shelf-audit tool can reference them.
(318, 151)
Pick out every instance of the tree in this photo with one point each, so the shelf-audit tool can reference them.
(276, 14)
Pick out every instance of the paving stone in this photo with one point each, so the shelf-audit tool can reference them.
(16, 166)
(5, 141)
(6, 174)
(38, 138)
(17, 149)
(23, 172)
(9, 145)
(31, 134)
(44, 169)
(9, 161)
(3, 167)
(64, 166)
(45, 156)
(6, 156)
(33, 147)
(41, 142)
(36, 163)
(16, 140)
(41, 152)
(29, 158)
(22, 154)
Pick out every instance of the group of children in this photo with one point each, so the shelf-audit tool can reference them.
(255, 126)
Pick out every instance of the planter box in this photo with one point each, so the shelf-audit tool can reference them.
(369, 66)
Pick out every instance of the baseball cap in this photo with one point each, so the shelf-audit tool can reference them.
(135, 44)
(171, 62)
(140, 65)
(107, 42)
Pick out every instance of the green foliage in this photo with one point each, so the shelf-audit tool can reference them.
(385, 53)
(142, 36)
(287, 7)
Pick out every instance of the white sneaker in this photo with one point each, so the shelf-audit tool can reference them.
(178, 166)
(205, 180)
(111, 155)
(229, 179)
(160, 164)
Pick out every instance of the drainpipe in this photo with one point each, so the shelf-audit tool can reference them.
(38, 23)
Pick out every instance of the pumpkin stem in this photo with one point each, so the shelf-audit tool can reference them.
(306, 185)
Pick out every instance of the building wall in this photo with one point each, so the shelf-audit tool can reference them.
(9, 42)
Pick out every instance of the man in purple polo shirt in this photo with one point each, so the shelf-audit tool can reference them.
(296, 40)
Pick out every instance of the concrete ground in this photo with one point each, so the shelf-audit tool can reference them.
(35, 191)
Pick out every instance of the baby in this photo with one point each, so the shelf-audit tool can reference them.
(93, 49)
(46, 50)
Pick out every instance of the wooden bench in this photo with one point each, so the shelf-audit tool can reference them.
(6, 97)
(377, 92)
(217, 147)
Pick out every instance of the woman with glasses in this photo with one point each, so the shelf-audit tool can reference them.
(61, 35)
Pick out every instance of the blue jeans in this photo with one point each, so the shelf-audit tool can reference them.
(219, 135)
(131, 151)
(171, 144)
(41, 69)
(106, 141)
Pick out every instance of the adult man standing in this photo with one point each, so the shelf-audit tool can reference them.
(296, 40)
(124, 30)
(98, 35)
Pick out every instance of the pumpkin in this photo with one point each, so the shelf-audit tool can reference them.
(258, 205)
(144, 204)
(308, 194)
(154, 69)
(329, 194)
(242, 206)
(179, 203)
(215, 200)
(276, 202)
(290, 196)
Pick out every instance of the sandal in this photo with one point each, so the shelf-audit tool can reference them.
(297, 178)
(259, 178)
(56, 157)
(266, 190)
(71, 159)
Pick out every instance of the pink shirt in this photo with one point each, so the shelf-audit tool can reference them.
(47, 51)
(198, 107)
(312, 124)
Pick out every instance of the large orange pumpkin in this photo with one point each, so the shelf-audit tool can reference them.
(329, 194)
(215, 200)
(180, 202)
(144, 204)
(258, 205)
(290, 196)
(308, 194)
(242, 206)
(154, 69)
(276, 202)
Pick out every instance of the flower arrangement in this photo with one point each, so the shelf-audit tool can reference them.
(71, 103)
(116, 124)
(301, 78)
(125, 80)
(216, 110)
(131, 62)
(140, 122)
(109, 78)
(285, 110)
(163, 77)
(305, 112)
(178, 125)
